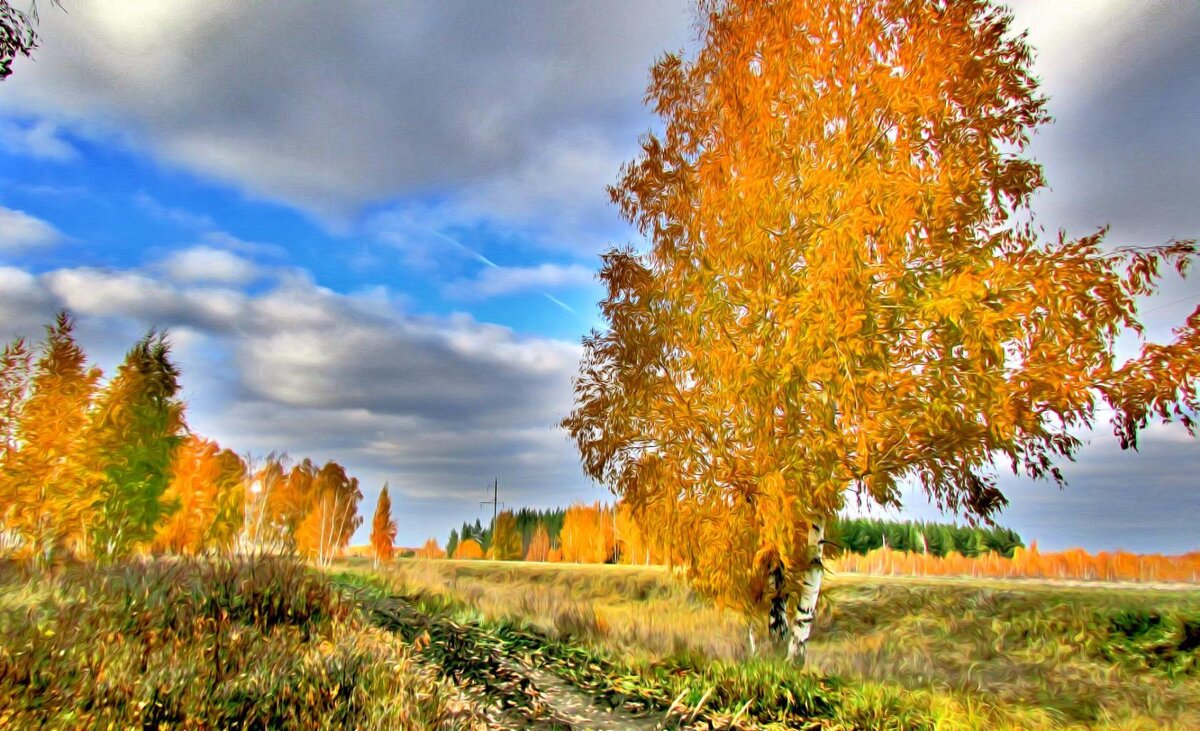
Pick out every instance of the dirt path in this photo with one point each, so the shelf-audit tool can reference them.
(514, 691)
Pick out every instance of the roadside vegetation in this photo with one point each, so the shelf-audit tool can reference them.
(266, 643)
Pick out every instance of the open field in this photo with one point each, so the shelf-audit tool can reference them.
(1016, 653)
(446, 644)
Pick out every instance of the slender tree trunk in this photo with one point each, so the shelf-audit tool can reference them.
(777, 626)
(810, 591)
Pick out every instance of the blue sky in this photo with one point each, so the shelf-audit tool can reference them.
(373, 230)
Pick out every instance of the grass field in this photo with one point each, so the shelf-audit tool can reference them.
(446, 644)
(266, 644)
(985, 652)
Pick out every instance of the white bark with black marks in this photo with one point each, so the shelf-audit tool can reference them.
(810, 591)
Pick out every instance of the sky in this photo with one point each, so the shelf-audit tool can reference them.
(372, 230)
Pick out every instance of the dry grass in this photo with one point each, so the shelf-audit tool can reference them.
(262, 644)
(641, 611)
(1075, 657)
(945, 654)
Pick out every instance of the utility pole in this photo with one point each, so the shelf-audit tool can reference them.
(495, 503)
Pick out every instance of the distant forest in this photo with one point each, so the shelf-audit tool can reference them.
(852, 535)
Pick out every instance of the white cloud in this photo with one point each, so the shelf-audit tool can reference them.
(207, 264)
(433, 404)
(440, 405)
(40, 139)
(497, 281)
(334, 108)
(177, 216)
(20, 231)
(24, 304)
(554, 200)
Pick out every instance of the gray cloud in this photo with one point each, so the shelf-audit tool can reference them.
(329, 107)
(1123, 81)
(1144, 501)
(513, 117)
(435, 405)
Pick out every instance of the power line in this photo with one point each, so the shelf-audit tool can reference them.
(1170, 304)
(494, 502)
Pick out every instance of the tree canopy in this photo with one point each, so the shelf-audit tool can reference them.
(846, 291)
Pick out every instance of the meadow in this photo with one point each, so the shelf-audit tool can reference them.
(275, 643)
(888, 653)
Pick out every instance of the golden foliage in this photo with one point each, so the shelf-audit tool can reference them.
(468, 549)
(539, 545)
(845, 290)
(312, 510)
(45, 483)
(383, 528)
(206, 493)
(635, 546)
(330, 500)
(431, 549)
(506, 540)
(587, 534)
(1028, 563)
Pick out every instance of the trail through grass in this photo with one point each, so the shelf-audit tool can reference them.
(890, 653)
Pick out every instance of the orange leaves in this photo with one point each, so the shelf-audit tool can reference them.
(838, 291)
(329, 500)
(431, 549)
(45, 480)
(383, 528)
(468, 549)
(587, 534)
(1073, 564)
(107, 473)
(539, 545)
(206, 496)
(314, 511)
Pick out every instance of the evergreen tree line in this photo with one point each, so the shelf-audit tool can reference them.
(105, 470)
(853, 535)
(862, 535)
(526, 522)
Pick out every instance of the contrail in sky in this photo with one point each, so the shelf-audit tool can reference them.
(483, 259)
(559, 302)
(470, 252)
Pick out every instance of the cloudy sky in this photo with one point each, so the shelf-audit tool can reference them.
(372, 229)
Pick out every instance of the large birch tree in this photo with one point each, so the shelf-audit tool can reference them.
(845, 292)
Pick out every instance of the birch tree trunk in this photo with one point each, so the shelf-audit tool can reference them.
(810, 591)
(777, 625)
